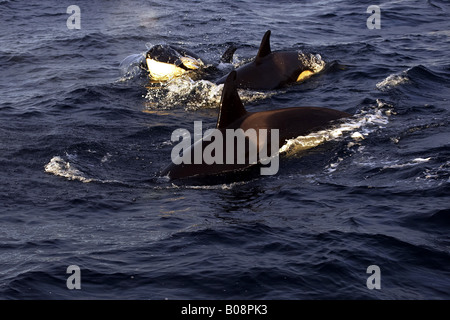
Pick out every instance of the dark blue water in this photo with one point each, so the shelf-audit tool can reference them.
(83, 137)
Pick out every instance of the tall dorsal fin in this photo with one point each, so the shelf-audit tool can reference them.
(231, 107)
(264, 48)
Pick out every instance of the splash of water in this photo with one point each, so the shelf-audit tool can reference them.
(130, 67)
(312, 61)
(66, 167)
(357, 127)
(393, 80)
(193, 95)
(59, 167)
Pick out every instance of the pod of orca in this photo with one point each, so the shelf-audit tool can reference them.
(268, 71)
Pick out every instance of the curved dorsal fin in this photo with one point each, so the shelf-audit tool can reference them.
(227, 57)
(231, 107)
(264, 48)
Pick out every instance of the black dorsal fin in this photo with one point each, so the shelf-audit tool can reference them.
(264, 48)
(231, 107)
(227, 57)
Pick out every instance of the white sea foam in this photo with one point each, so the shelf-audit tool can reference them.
(223, 186)
(393, 80)
(375, 162)
(194, 95)
(202, 93)
(356, 127)
(61, 167)
(411, 163)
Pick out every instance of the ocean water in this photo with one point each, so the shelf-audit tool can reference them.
(84, 135)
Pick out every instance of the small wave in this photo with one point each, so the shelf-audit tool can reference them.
(222, 186)
(418, 75)
(393, 80)
(384, 164)
(411, 163)
(441, 173)
(64, 168)
(426, 76)
(59, 167)
(356, 127)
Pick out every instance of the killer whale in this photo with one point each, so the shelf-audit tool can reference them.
(271, 70)
(165, 62)
(290, 122)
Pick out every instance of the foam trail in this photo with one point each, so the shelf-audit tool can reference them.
(357, 127)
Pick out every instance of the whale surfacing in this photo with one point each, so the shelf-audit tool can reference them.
(270, 70)
(287, 122)
(165, 62)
